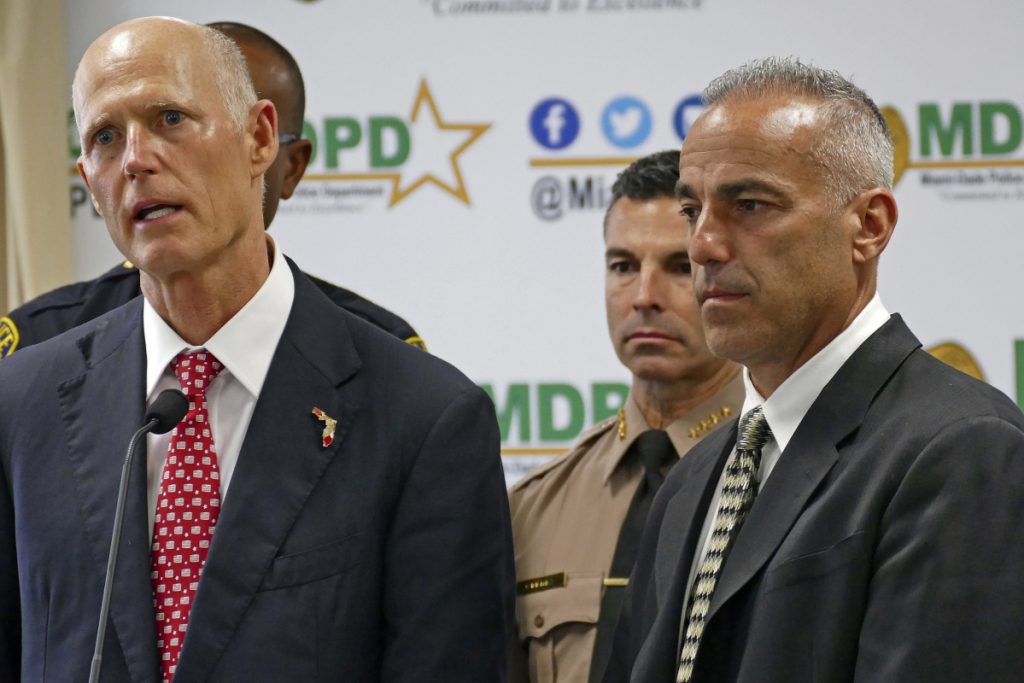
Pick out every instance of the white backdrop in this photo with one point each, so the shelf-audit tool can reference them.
(433, 194)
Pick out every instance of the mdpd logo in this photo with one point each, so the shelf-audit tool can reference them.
(555, 123)
(966, 150)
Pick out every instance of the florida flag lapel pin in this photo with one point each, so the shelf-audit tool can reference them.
(329, 424)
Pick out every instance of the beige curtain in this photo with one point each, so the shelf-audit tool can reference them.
(35, 225)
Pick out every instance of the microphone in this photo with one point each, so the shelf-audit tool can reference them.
(163, 415)
(168, 410)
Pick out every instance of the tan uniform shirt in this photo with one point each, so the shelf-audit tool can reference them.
(566, 518)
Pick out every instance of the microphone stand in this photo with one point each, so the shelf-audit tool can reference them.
(165, 413)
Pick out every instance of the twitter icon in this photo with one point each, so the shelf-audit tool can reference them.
(626, 122)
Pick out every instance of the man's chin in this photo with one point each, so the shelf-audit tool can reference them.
(657, 369)
(731, 345)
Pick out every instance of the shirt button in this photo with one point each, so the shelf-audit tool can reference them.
(538, 621)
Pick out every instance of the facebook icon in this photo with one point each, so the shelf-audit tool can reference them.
(554, 123)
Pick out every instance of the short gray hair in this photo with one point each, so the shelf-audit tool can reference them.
(856, 150)
(232, 74)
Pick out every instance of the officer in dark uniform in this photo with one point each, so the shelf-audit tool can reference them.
(276, 76)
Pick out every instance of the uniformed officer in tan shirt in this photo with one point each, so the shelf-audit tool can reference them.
(567, 516)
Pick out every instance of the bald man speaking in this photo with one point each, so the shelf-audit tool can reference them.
(332, 506)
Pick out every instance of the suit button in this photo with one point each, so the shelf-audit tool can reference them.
(538, 621)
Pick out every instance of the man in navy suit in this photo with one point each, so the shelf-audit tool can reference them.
(862, 520)
(353, 482)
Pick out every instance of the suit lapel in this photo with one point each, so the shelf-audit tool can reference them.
(100, 410)
(281, 461)
(678, 539)
(812, 452)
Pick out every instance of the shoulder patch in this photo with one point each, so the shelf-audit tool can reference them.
(417, 342)
(8, 337)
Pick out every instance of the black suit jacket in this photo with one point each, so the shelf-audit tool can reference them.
(887, 544)
(383, 557)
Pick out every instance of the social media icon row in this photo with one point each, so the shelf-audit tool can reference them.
(626, 121)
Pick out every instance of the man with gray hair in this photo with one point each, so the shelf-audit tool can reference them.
(332, 505)
(862, 520)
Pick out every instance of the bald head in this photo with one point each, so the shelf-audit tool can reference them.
(155, 38)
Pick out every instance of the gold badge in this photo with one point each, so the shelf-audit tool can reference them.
(710, 422)
(329, 424)
(8, 337)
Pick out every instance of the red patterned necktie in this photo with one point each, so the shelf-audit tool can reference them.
(186, 509)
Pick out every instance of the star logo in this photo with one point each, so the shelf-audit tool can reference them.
(465, 134)
(435, 155)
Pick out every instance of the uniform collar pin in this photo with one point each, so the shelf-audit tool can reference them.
(329, 424)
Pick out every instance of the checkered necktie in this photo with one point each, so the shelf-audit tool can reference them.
(737, 497)
(186, 509)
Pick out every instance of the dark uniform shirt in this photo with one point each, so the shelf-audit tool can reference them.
(65, 307)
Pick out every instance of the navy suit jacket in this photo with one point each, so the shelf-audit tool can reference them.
(886, 546)
(383, 557)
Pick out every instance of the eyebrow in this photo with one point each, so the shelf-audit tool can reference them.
(619, 252)
(745, 186)
(684, 191)
(732, 190)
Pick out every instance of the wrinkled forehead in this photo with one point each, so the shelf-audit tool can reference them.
(168, 55)
(750, 123)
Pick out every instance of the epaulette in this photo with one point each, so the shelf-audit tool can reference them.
(585, 441)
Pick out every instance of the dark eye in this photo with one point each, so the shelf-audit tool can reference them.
(749, 204)
(173, 118)
(620, 267)
(683, 267)
(104, 137)
(690, 213)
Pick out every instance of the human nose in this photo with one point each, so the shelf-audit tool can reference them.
(139, 154)
(709, 242)
(648, 293)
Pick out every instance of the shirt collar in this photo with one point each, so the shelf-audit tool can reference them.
(786, 408)
(245, 344)
(684, 432)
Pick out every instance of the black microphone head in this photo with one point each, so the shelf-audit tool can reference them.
(167, 409)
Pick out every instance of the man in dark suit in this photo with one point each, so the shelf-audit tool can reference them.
(353, 482)
(862, 520)
(276, 77)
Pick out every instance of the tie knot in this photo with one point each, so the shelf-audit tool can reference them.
(196, 370)
(754, 431)
(655, 450)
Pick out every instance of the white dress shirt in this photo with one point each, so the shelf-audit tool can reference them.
(786, 408)
(245, 346)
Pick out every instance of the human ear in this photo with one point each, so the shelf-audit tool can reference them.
(877, 214)
(85, 179)
(262, 128)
